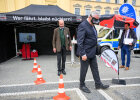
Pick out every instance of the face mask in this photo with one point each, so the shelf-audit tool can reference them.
(95, 21)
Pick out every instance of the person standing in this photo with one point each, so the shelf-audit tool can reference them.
(126, 48)
(87, 41)
(61, 42)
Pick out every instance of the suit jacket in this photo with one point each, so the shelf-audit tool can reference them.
(57, 41)
(131, 34)
(86, 40)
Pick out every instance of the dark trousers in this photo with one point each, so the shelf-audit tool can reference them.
(61, 55)
(94, 69)
(125, 50)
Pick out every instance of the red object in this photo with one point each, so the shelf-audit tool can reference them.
(27, 53)
(111, 20)
(34, 54)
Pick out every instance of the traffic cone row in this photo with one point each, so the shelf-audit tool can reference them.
(61, 91)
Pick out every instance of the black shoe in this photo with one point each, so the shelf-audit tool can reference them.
(102, 86)
(64, 72)
(59, 73)
(85, 89)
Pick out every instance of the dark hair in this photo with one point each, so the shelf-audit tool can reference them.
(128, 24)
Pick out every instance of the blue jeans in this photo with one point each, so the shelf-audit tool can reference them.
(125, 50)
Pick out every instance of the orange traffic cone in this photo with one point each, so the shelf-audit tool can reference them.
(61, 92)
(35, 66)
(40, 79)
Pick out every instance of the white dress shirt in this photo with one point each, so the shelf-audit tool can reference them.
(126, 34)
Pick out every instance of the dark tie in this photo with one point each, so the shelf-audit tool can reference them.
(95, 31)
(125, 34)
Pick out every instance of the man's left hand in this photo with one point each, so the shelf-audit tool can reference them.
(130, 43)
(70, 48)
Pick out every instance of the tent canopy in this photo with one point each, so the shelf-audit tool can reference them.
(43, 10)
(39, 19)
(40, 13)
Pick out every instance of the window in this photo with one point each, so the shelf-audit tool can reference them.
(77, 11)
(117, 1)
(107, 12)
(87, 11)
(139, 13)
(125, 1)
(98, 11)
(133, 2)
(98, 0)
(114, 34)
(108, 1)
(103, 33)
(116, 12)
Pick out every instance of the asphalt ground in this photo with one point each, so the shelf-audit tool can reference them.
(17, 80)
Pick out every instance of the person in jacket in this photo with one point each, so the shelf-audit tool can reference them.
(61, 44)
(126, 48)
(87, 41)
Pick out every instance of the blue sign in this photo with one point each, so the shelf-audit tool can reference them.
(27, 37)
(127, 10)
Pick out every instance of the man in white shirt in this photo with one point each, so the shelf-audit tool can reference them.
(127, 43)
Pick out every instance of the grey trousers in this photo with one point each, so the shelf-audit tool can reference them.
(94, 69)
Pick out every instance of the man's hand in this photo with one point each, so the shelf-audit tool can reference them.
(118, 47)
(130, 43)
(54, 50)
(70, 48)
(84, 58)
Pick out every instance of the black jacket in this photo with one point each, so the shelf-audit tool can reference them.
(132, 35)
(86, 40)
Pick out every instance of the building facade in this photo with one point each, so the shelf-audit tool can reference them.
(79, 7)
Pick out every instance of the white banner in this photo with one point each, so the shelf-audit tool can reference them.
(110, 58)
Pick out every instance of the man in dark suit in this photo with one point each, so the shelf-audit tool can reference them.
(126, 48)
(61, 43)
(87, 41)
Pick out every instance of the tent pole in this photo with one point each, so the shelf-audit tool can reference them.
(15, 40)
